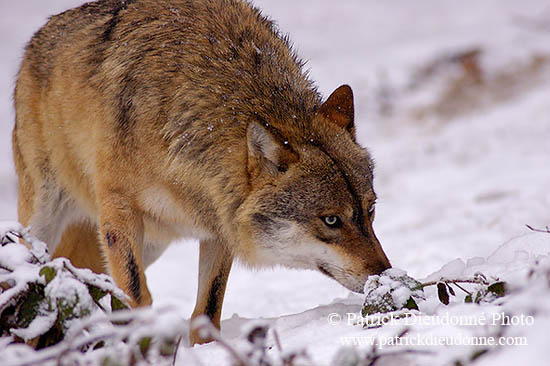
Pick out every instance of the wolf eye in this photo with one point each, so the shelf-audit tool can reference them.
(332, 221)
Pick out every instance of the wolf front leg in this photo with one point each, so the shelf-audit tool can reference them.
(215, 262)
(121, 230)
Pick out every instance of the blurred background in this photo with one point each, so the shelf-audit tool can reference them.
(452, 99)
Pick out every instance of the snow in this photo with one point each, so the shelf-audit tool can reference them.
(43, 321)
(454, 192)
(390, 291)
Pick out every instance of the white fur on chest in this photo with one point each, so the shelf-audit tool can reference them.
(165, 220)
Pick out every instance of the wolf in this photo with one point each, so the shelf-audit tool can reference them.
(140, 122)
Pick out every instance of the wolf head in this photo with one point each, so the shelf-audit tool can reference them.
(312, 202)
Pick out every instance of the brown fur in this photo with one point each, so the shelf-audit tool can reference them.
(154, 120)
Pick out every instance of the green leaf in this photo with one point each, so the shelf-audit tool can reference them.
(442, 293)
(479, 296)
(96, 292)
(29, 307)
(116, 304)
(411, 304)
(144, 345)
(468, 298)
(498, 288)
(479, 353)
(48, 273)
(70, 308)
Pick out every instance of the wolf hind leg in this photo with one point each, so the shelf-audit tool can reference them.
(53, 211)
(25, 186)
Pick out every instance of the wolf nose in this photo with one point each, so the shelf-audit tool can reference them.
(386, 263)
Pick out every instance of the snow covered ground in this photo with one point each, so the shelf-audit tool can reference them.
(459, 186)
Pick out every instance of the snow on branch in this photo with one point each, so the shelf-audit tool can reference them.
(66, 313)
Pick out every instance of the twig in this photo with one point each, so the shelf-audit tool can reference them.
(74, 272)
(6, 239)
(462, 288)
(477, 280)
(277, 340)
(6, 268)
(545, 230)
(176, 351)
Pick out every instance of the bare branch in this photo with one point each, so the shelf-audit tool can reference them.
(455, 281)
(462, 288)
(176, 351)
(545, 230)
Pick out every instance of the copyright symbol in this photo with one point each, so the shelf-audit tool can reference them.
(334, 318)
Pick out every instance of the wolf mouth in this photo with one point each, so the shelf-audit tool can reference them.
(352, 284)
(323, 269)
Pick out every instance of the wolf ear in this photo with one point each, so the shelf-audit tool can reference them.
(266, 154)
(338, 108)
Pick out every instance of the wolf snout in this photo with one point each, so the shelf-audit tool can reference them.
(379, 266)
(373, 269)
